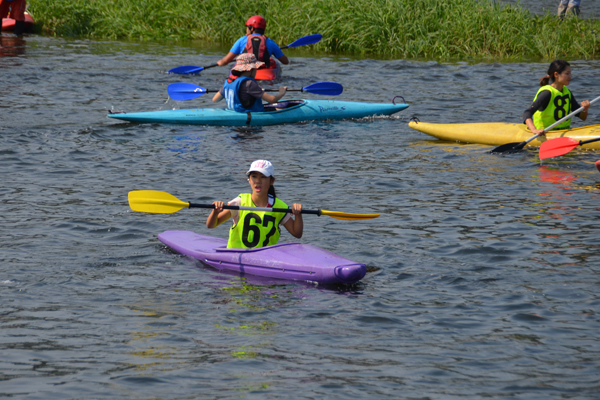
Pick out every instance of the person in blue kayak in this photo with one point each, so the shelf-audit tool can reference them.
(257, 228)
(243, 94)
(257, 43)
(554, 100)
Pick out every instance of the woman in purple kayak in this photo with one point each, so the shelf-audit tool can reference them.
(253, 229)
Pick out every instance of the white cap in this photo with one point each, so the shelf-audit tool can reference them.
(263, 166)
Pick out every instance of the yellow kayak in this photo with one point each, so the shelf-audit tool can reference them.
(499, 133)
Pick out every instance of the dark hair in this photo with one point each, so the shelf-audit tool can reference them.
(259, 31)
(272, 191)
(236, 73)
(556, 66)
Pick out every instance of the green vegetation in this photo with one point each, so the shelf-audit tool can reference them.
(434, 29)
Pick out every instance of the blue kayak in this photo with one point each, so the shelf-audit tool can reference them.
(290, 111)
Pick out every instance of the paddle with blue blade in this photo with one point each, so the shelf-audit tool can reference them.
(514, 147)
(157, 202)
(192, 69)
(182, 91)
(304, 41)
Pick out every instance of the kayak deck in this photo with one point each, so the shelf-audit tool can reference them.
(291, 261)
(499, 133)
(290, 111)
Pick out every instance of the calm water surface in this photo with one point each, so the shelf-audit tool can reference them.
(483, 274)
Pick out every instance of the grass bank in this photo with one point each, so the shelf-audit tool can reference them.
(434, 29)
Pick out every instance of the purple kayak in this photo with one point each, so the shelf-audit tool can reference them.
(292, 261)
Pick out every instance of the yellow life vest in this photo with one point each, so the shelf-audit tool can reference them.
(255, 228)
(559, 106)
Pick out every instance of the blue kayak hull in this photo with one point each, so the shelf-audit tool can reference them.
(295, 111)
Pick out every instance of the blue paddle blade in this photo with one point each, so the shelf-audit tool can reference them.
(324, 88)
(306, 40)
(186, 69)
(182, 91)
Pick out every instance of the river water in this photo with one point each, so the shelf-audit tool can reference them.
(483, 278)
(589, 8)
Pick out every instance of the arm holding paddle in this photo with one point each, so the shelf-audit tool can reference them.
(269, 98)
(541, 103)
(295, 226)
(586, 106)
(227, 59)
(218, 215)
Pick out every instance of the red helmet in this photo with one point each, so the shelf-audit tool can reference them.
(257, 22)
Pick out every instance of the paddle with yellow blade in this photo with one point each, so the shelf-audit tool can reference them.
(513, 147)
(157, 202)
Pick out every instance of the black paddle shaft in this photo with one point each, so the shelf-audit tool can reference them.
(277, 210)
(266, 90)
(582, 142)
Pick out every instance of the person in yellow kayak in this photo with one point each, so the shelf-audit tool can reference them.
(255, 42)
(257, 228)
(554, 100)
(241, 91)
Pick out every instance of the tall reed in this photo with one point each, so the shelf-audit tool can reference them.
(435, 29)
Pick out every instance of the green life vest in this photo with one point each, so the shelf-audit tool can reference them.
(255, 228)
(559, 106)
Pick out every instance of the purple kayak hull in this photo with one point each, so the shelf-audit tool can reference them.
(292, 261)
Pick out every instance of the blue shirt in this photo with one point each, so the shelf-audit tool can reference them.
(231, 92)
(239, 46)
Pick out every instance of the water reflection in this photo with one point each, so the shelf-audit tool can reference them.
(560, 178)
(12, 46)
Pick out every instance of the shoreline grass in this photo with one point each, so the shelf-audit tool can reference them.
(423, 29)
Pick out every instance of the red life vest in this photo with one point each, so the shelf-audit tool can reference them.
(257, 44)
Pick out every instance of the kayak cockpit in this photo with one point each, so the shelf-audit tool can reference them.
(225, 249)
(284, 105)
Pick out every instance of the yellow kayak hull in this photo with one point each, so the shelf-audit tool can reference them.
(499, 133)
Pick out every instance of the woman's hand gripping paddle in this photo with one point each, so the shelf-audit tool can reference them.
(192, 69)
(513, 147)
(183, 91)
(157, 202)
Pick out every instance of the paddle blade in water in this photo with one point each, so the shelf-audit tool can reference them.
(324, 88)
(154, 201)
(186, 69)
(348, 216)
(557, 147)
(508, 147)
(306, 40)
(182, 91)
